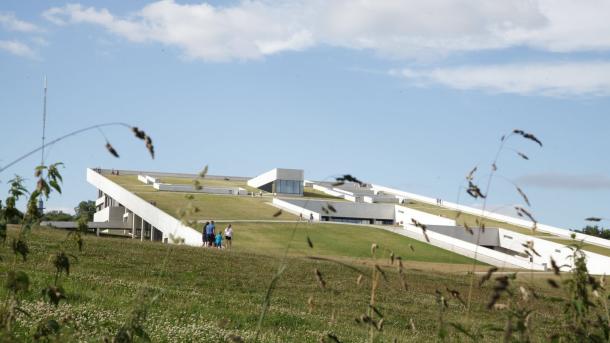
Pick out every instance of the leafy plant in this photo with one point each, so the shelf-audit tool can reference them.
(17, 282)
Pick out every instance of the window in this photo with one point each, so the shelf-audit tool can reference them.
(289, 187)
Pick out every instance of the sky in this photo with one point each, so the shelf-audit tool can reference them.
(408, 94)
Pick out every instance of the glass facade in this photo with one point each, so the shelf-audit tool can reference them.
(289, 187)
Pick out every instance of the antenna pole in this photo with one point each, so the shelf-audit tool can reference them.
(44, 126)
(44, 119)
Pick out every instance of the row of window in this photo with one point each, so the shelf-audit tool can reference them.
(289, 186)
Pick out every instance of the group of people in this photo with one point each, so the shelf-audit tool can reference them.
(214, 239)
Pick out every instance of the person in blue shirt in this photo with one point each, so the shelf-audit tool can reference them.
(218, 240)
(210, 233)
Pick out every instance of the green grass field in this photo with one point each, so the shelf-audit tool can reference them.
(314, 193)
(335, 240)
(217, 207)
(206, 295)
(211, 206)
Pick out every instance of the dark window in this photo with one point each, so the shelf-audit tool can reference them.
(289, 187)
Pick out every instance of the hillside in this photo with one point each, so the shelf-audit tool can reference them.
(208, 295)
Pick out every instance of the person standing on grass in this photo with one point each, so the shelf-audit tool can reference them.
(211, 233)
(218, 240)
(229, 235)
(208, 232)
(204, 233)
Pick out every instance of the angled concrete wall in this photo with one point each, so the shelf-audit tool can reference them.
(404, 215)
(495, 216)
(162, 221)
(468, 249)
(346, 209)
(295, 209)
(276, 174)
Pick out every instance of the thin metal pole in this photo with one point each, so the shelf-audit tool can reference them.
(44, 120)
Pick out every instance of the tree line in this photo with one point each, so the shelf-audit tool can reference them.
(84, 209)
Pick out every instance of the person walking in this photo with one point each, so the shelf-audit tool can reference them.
(204, 233)
(228, 235)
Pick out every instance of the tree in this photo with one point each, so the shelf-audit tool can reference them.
(57, 216)
(594, 230)
(85, 209)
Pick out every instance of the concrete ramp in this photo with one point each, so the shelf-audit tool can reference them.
(144, 214)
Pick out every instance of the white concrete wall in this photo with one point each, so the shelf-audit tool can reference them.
(147, 179)
(334, 192)
(276, 174)
(162, 221)
(354, 190)
(350, 198)
(102, 215)
(328, 191)
(467, 249)
(346, 209)
(386, 199)
(109, 214)
(294, 209)
(403, 215)
(495, 216)
(596, 263)
(488, 238)
(205, 189)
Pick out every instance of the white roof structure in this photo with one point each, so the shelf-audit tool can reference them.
(372, 205)
(280, 180)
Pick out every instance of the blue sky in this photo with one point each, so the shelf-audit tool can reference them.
(411, 95)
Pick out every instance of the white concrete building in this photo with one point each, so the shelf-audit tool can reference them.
(121, 211)
(279, 181)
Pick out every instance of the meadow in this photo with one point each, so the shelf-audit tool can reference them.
(212, 295)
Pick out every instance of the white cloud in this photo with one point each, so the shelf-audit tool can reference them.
(396, 28)
(551, 79)
(248, 31)
(11, 23)
(17, 48)
(40, 41)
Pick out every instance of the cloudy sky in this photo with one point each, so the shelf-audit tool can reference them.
(410, 94)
